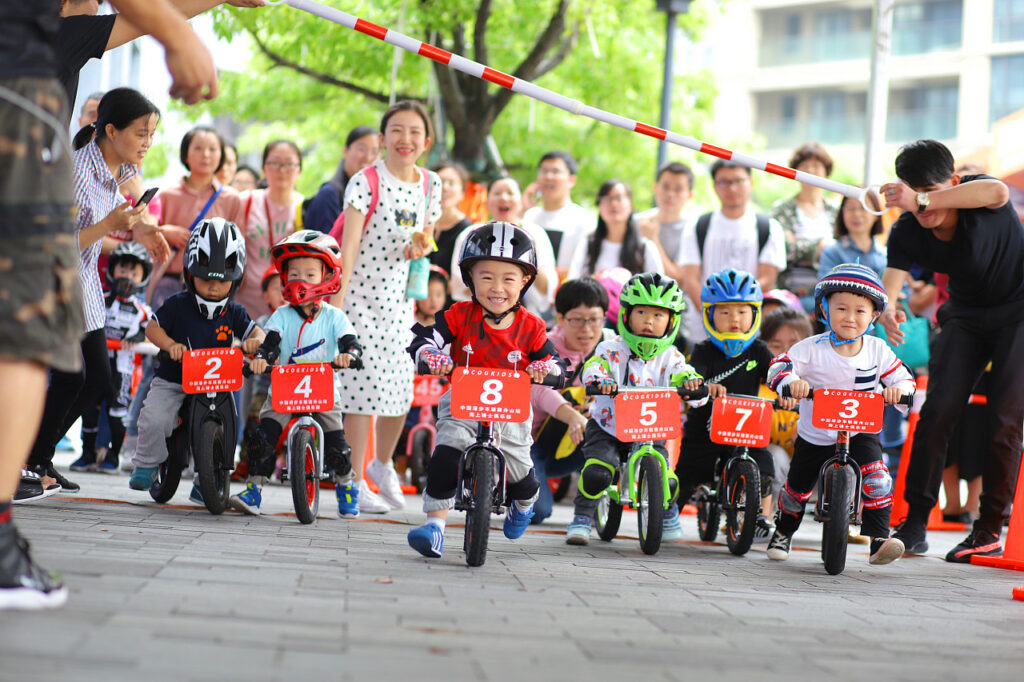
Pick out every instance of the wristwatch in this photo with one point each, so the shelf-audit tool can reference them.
(922, 201)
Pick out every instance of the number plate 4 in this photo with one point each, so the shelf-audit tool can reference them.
(648, 416)
(490, 395)
(211, 370)
(306, 387)
(856, 411)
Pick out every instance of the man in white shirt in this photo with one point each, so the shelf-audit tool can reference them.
(664, 224)
(733, 239)
(565, 222)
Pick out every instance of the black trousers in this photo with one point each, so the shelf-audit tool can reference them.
(69, 394)
(865, 449)
(960, 352)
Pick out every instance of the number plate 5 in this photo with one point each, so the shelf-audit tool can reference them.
(856, 411)
(490, 395)
(307, 387)
(648, 416)
(211, 370)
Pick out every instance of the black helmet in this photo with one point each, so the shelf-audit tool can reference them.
(215, 250)
(129, 253)
(498, 240)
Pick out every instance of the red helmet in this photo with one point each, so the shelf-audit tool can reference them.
(267, 274)
(308, 244)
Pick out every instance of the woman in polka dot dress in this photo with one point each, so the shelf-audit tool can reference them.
(376, 256)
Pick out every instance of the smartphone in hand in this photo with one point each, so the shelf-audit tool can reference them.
(147, 196)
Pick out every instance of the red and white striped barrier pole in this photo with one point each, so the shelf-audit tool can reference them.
(573, 106)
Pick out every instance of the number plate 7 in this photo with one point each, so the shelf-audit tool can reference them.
(211, 370)
(856, 411)
(742, 422)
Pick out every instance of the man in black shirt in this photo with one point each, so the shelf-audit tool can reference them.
(40, 303)
(963, 226)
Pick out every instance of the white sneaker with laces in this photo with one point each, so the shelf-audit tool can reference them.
(386, 478)
(370, 502)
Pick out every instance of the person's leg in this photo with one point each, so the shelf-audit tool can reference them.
(959, 354)
(96, 384)
(381, 469)
(545, 502)
(876, 499)
(20, 414)
(357, 429)
(156, 422)
(951, 488)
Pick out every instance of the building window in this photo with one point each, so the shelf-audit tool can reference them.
(1008, 21)
(1007, 86)
(928, 111)
(920, 27)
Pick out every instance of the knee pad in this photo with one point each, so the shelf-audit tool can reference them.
(766, 485)
(337, 453)
(876, 485)
(595, 478)
(442, 472)
(263, 447)
(792, 502)
(524, 489)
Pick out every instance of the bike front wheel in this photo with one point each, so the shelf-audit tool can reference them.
(836, 526)
(650, 508)
(607, 518)
(478, 516)
(213, 478)
(743, 502)
(302, 470)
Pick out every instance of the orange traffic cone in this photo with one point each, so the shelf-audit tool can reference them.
(1018, 593)
(1013, 550)
(899, 504)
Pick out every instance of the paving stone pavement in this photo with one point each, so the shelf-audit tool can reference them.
(173, 593)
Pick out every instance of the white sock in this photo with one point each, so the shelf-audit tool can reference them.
(523, 508)
(347, 479)
(436, 521)
(258, 481)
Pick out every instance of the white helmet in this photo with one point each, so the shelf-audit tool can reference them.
(215, 250)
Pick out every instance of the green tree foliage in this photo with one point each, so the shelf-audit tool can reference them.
(312, 80)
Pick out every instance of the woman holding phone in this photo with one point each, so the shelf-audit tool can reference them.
(102, 165)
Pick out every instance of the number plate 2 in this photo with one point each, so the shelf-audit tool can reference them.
(490, 395)
(741, 421)
(211, 370)
(648, 416)
(857, 411)
(306, 387)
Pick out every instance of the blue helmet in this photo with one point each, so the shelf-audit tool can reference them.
(731, 286)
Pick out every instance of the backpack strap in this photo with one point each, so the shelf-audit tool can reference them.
(703, 223)
(763, 232)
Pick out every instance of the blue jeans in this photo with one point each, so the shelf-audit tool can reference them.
(545, 467)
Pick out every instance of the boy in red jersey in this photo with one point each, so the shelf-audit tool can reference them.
(499, 263)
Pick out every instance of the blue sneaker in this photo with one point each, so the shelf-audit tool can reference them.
(428, 540)
(671, 528)
(108, 467)
(196, 496)
(81, 464)
(65, 445)
(142, 478)
(578, 532)
(248, 501)
(516, 521)
(348, 500)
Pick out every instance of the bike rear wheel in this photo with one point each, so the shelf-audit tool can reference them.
(607, 518)
(168, 474)
(213, 479)
(743, 502)
(708, 514)
(836, 526)
(650, 508)
(478, 516)
(305, 483)
(419, 455)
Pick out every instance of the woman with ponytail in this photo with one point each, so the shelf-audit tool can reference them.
(107, 155)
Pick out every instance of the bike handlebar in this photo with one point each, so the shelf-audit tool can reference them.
(905, 399)
(700, 392)
(556, 381)
(357, 362)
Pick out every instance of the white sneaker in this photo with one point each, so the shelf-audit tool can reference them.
(370, 502)
(128, 452)
(386, 478)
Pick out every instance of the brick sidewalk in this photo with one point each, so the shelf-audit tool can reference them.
(173, 593)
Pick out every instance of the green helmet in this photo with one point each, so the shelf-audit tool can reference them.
(650, 288)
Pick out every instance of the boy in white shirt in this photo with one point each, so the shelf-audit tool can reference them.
(565, 222)
(848, 300)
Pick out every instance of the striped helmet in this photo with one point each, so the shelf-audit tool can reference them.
(852, 277)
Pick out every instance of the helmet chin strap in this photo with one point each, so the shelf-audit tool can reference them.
(217, 308)
(312, 312)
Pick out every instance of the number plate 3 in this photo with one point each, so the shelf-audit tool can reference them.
(211, 370)
(490, 395)
(856, 411)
